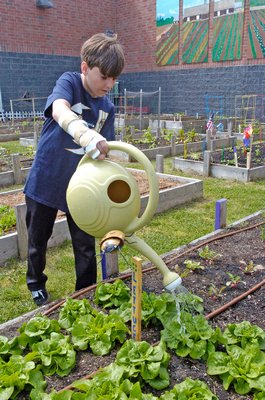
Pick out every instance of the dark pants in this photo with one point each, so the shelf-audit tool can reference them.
(40, 221)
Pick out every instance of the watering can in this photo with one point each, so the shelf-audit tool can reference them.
(104, 201)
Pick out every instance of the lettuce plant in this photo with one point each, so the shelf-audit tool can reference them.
(189, 389)
(55, 354)
(242, 368)
(18, 374)
(73, 309)
(243, 334)
(99, 332)
(37, 329)
(189, 335)
(144, 362)
(113, 294)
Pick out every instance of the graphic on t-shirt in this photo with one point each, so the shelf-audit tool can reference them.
(79, 107)
(102, 116)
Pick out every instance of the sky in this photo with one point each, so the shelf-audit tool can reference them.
(170, 8)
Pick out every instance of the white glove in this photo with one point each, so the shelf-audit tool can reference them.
(83, 136)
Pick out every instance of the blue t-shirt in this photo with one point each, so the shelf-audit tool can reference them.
(53, 165)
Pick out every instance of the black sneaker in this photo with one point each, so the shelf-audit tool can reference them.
(40, 297)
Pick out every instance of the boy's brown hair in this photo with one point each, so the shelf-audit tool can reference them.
(104, 52)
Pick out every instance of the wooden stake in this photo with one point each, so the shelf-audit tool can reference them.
(137, 299)
(235, 155)
(249, 154)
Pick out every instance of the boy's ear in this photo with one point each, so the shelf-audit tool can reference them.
(84, 67)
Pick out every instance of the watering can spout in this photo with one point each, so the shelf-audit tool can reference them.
(171, 280)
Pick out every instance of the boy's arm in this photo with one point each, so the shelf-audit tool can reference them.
(94, 144)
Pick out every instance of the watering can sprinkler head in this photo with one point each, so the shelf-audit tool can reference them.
(104, 200)
(171, 281)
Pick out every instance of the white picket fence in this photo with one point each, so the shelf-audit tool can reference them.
(17, 115)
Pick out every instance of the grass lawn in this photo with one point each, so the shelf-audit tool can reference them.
(165, 232)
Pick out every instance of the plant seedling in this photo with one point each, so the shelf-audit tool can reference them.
(193, 265)
(234, 280)
(207, 254)
(214, 292)
(190, 267)
(249, 268)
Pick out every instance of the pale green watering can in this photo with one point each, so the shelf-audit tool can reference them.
(104, 200)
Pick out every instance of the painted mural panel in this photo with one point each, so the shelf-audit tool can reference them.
(256, 30)
(195, 31)
(167, 32)
(228, 26)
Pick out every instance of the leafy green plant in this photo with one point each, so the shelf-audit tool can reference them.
(243, 334)
(108, 384)
(112, 294)
(167, 134)
(148, 137)
(144, 362)
(207, 254)
(215, 292)
(55, 354)
(189, 335)
(182, 135)
(8, 348)
(99, 332)
(242, 368)
(18, 374)
(247, 268)
(73, 309)
(189, 389)
(193, 265)
(191, 135)
(194, 156)
(259, 395)
(157, 308)
(7, 218)
(37, 329)
(234, 280)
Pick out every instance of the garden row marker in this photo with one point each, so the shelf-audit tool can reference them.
(17, 169)
(137, 299)
(207, 162)
(160, 163)
(103, 266)
(235, 156)
(109, 264)
(220, 214)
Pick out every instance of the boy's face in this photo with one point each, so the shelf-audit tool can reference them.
(95, 83)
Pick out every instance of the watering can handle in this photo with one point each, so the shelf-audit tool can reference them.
(152, 204)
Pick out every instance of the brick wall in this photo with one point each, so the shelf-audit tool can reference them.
(61, 30)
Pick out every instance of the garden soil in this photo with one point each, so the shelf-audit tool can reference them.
(239, 250)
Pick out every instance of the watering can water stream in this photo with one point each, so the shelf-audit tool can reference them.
(104, 200)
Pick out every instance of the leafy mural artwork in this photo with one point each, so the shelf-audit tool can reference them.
(227, 37)
(195, 31)
(167, 51)
(256, 34)
(167, 37)
(195, 42)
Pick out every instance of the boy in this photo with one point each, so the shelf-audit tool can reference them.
(76, 111)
